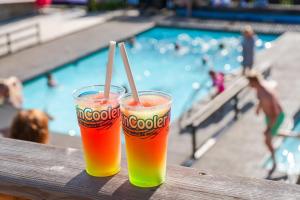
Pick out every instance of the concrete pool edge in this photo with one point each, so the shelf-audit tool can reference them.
(223, 25)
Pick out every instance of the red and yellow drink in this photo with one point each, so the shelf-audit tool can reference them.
(99, 120)
(146, 129)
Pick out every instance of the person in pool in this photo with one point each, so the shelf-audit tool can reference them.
(51, 81)
(270, 105)
(204, 60)
(176, 46)
(132, 42)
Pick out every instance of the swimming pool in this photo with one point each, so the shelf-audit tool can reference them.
(156, 65)
(288, 155)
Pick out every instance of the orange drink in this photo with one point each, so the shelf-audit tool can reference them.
(146, 128)
(99, 120)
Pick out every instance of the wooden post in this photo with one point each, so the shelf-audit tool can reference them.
(194, 142)
(38, 33)
(236, 107)
(8, 43)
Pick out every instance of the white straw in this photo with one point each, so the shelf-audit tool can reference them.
(128, 72)
(110, 62)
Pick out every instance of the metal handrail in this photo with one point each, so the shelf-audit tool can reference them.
(10, 42)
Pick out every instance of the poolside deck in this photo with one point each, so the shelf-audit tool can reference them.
(241, 149)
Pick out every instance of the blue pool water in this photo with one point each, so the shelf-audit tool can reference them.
(288, 154)
(155, 64)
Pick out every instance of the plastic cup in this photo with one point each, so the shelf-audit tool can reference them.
(100, 126)
(146, 129)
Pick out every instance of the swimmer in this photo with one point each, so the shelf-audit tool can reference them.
(132, 42)
(176, 46)
(221, 46)
(204, 60)
(51, 81)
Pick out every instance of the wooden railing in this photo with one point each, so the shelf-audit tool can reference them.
(38, 171)
(20, 38)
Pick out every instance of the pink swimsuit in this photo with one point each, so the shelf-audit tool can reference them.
(219, 82)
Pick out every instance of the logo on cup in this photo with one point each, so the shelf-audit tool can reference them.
(102, 119)
(144, 128)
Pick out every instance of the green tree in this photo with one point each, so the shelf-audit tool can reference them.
(92, 5)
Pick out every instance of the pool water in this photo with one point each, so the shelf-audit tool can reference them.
(288, 155)
(156, 65)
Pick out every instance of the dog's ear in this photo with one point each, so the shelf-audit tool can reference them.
(49, 116)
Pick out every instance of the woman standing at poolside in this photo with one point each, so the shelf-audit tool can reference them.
(248, 45)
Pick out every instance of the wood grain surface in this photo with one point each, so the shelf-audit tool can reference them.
(45, 172)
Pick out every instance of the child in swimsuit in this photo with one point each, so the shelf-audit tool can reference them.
(218, 81)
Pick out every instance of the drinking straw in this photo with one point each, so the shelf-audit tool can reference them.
(128, 72)
(111, 54)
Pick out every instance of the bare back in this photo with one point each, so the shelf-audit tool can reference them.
(269, 101)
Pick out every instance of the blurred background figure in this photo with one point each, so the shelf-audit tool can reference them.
(221, 46)
(42, 4)
(30, 125)
(4, 93)
(217, 79)
(16, 91)
(51, 82)
(176, 46)
(204, 60)
(274, 115)
(220, 3)
(132, 42)
(248, 45)
(261, 3)
(11, 101)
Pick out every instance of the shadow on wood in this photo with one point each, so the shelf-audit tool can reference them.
(89, 183)
(139, 193)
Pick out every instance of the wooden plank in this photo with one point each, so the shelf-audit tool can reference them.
(43, 172)
(211, 107)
